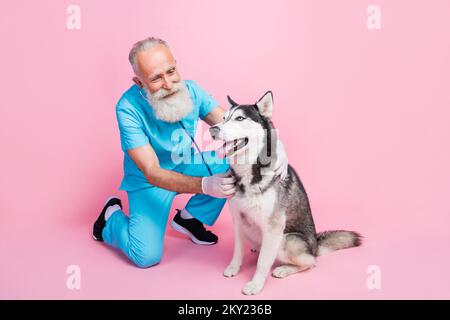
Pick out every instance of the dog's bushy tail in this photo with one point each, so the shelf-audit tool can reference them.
(329, 241)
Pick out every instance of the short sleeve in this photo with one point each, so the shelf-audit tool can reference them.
(132, 134)
(203, 99)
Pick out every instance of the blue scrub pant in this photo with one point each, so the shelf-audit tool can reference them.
(140, 236)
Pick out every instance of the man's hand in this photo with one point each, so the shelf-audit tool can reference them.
(219, 185)
(281, 165)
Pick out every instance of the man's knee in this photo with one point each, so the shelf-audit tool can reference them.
(146, 258)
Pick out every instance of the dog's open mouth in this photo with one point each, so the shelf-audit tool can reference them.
(230, 148)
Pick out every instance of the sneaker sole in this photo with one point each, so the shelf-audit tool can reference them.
(109, 198)
(183, 230)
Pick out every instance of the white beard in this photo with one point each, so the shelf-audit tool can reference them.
(171, 108)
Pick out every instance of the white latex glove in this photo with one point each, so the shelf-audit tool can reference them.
(219, 185)
(281, 165)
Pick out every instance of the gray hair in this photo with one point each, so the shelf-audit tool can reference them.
(141, 46)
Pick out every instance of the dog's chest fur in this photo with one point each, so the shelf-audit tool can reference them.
(254, 202)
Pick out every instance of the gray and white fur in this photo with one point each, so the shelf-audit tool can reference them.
(273, 214)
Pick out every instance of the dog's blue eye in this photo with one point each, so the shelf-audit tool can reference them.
(240, 118)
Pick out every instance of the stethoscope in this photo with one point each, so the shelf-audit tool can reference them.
(190, 136)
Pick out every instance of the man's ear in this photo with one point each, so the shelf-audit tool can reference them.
(138, 82)
(265, 104)
(231, 102)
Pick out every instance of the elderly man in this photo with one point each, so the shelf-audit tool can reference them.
(148, 114)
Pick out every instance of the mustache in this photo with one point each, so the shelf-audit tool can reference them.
(164, 93)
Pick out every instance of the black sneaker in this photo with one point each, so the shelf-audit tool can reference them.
(194, 229)
(101, 222)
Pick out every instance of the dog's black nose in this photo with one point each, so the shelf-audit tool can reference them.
(214, 131)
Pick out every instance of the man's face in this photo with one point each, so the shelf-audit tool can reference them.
(156, 69)
(156, 73)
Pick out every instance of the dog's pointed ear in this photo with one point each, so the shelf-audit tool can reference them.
(231, 102)
(265, 104)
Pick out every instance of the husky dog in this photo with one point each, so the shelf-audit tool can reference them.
(273, 214)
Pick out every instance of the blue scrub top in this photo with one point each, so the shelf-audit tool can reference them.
(139, 126)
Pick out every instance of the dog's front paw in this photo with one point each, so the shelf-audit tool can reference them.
(252, 287)
(281, 272)
(231, 270)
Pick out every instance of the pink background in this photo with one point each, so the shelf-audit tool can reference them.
(364, 116)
